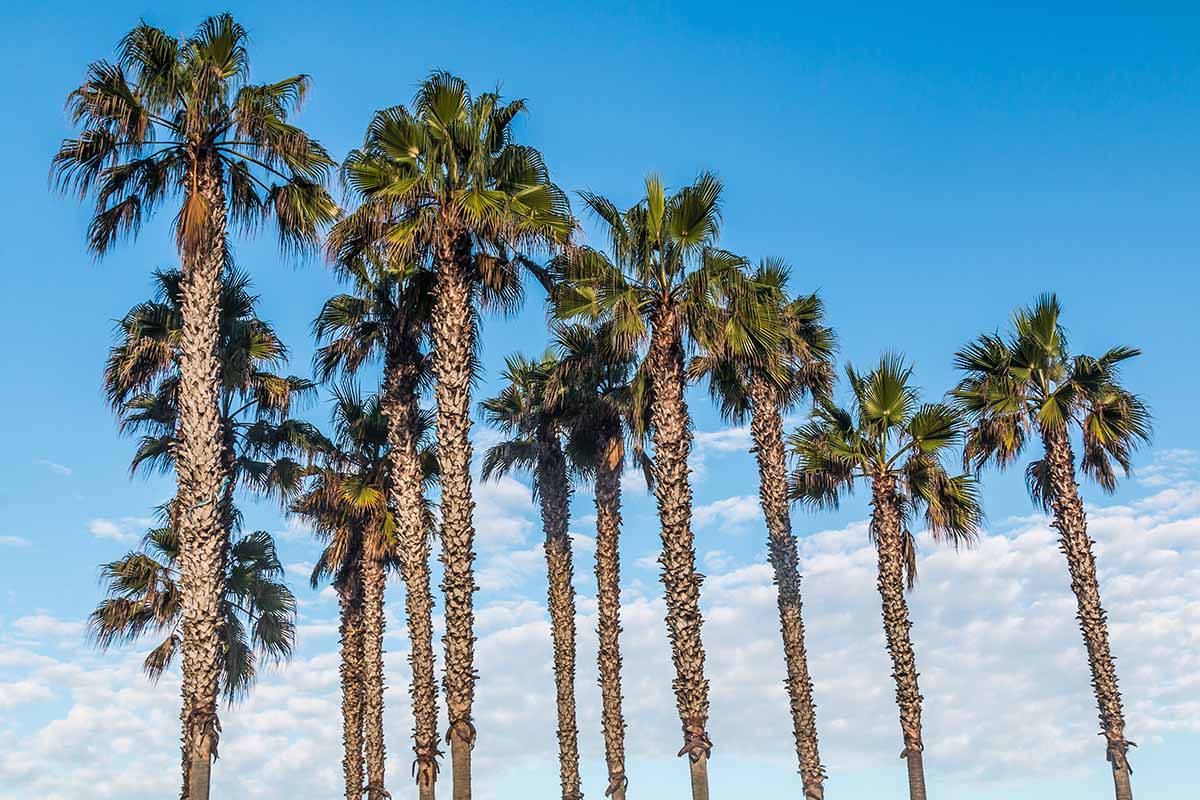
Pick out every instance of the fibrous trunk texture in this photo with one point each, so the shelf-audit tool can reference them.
(203, 539)
(453, 341)
(608, 626)
(887, 525)
(374, 581)
(351, 671)
(554, 495)
(406, 499)
(1071, 524)
(672, 445)
(766, 428)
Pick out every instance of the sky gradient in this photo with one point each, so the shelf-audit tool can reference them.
(926, 172)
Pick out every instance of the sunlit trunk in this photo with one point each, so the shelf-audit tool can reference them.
(608, 602)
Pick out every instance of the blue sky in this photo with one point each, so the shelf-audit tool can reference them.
(927, 172)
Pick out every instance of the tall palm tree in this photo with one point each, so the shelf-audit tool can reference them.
(347, 503)
(387, 318)
(1028, 383)
(144, 599)
(259, 442)
(178, 118)
(897, 444)
(762, 386)
(664, 276)
(608, 405)
(534, 446)
(447, 179)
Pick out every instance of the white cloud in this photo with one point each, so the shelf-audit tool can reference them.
(125, 529)
(994, 631)
(15, 541)
(728, 513)
(42, 627)
(57, 469)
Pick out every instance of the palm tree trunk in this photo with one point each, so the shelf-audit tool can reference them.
(374, 581)
(766, 427)
(672, 445)
(454, 345)
(351, 672)
(407, 501)
(202, 537)
(554, 493)
(1071, 523)
(887, 526)
(608, 602)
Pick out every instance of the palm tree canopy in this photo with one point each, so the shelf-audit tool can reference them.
(346, 497)
(799, 361)
(521, 413)
(144, 598)
(141, 381)
(450, 165)
(1028, 378)
(168, 103)
(662, 259)
(888, 434)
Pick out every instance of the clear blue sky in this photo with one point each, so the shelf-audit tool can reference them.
(926, 170)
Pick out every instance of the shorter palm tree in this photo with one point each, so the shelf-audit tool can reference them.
(897, 444)
(534, 445)
(1029, 383)
(762, 383)
(144, 599)
(604, 402)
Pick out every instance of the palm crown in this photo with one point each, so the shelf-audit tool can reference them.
(144, 597)
(167, 105)
(887, 435)
(799, 360)
(521, 412)
(449, 166)
(1029, 378)
(664, 267)
(141, 380)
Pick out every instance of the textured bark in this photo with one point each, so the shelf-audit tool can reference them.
(406, 499)
(887, 525)
(454, 344)
(608, 626)
(1071, 524)
(203, 539)
(672, 445)
(374, 581)
(351, 671)
(766, 427)
(554, 496)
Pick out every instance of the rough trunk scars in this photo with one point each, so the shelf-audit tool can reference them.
(887, 524)
(554, 495)
(352, 688)
(374, 581)
(672, 444)
(406, 499)
(608, 627)
(766, 427)
(453, 338)
(202, 537)
(1071, 524)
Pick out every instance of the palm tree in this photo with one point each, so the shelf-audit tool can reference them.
(762, 386)
(664, 277)
(898, 445)
(259, 442)
(534, 445)
(144, 598)
(608, 405)
(346, 501)
(178, 118)
(446, 179)
(388, 316)
(1028, 383)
